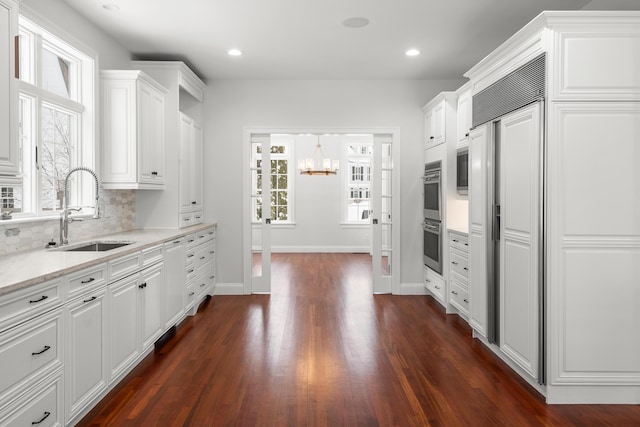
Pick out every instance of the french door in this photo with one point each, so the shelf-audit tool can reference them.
(384, 229)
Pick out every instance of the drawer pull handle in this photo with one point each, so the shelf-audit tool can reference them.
(427, 280)
(465, 268)
(454, 263)
(193, 203)
(143, 285)
(455, 240)
(42, 298)
(176, 241)
(91, 279)
(466, 244)
(198, 217)
(190, 271)
(187, 219)
(46, 415)
(190, 240)
(211, 232)
(202, 257)
(90, 299)
(202, 286)
(191, 294)
(212, 277)
(46, 347)
(465, 300)
(437, 287)
(190, 256)
(454, 292)
(212, 252)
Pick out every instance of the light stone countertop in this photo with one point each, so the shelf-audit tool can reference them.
(459, 230)
(30, 268)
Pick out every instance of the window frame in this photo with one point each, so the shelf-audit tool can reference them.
(83, 73)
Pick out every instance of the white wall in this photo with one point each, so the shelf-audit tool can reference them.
(231, 105)
(68, 22)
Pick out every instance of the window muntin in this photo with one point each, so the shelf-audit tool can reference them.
(56, 124)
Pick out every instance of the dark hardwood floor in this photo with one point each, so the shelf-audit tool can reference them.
(321, 350)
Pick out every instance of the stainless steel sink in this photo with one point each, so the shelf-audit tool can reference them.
(95, 246)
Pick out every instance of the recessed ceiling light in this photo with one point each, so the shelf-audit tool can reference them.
(355, 22)
(111, 7)
(412, 52)
(234, 52)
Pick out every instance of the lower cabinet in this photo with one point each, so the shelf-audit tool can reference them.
(123, 316)
(436, 285)
(86, 344)
(41, 406)
(175, 279)
(151, 305)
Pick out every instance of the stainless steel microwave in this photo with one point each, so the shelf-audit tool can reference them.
(462, 171)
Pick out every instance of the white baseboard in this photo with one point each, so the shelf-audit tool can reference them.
(229, 289)
(412, 289)
(320, 249)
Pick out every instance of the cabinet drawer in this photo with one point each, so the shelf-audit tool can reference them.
(197, 217)
(186, 219)
(124, 266)
(435, 284)
(86, 280)
(459, 242)
(459, 296)
(459, 263)
(151, 255)
(191, 240)
(42, 406)
(27, 303)
(29, 351)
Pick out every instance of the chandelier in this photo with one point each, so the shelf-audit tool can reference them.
(308, 166)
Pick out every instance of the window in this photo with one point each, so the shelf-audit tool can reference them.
(56, 124)
(280, 179)
(358, 182)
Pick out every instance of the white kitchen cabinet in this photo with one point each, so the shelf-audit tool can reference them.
(200, 265)
(151, 305)
(28, 352)
(587, 338)
(9, 157)
(123, 343)
(184, 149)
(480, 242)
(175, 278)
(463, 116)
(86, 351)
(459, 272)
(435, 113)
(133, 130)
(436, 285)
(42, 405)
(191, 160)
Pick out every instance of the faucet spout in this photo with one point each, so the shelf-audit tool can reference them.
(64, 214)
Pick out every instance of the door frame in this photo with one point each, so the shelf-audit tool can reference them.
(246, 190)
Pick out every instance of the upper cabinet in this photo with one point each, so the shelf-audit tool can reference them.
(434, 123)
(463, 115)
(190, 171)
(133, 131)
(8, 88)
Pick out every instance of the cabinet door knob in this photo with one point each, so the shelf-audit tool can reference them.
(193, 203)
(432, 137)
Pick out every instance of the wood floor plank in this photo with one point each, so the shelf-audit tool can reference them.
(321, 350)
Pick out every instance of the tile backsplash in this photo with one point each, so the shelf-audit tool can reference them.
(117, 213)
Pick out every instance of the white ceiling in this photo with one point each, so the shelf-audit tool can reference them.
(305, 39)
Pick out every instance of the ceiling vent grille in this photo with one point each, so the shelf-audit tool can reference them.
(515, 90)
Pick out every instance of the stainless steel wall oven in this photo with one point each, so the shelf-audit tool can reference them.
(432, 245)
(432, 192)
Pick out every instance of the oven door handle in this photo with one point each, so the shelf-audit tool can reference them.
(431, 228)
(432, 177)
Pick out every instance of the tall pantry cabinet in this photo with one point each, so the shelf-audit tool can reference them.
(591, 196)
(181, 204)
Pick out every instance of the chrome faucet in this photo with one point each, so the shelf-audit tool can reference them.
(64, 214)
